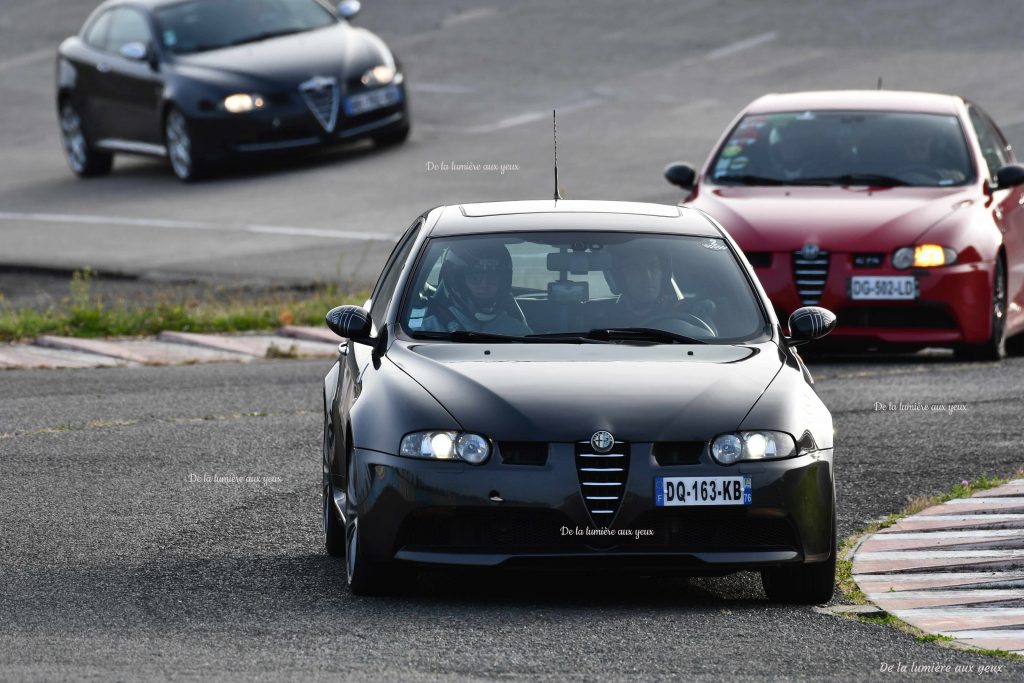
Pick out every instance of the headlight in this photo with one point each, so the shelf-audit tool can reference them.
(378, 75)
(446, 445)
(728, 449)
(923, 256)
(240, 103)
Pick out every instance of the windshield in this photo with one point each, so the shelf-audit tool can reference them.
(845, 148)
(578, 286)
(202, 25)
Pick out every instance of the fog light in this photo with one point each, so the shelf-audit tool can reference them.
(472, 448)
(727, 449)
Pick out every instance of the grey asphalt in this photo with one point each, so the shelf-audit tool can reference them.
(639, 84)
(120, 562)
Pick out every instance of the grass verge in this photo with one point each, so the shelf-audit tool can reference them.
(87, 314)
(844, 563)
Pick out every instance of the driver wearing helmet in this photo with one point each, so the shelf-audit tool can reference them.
(474, 292)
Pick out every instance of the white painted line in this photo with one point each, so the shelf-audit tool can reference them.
(440, 88)
(740, 46)
(468, 16)
(985, 633)
(938, 554)
(510, 122)
(29, 58)
(165, 224)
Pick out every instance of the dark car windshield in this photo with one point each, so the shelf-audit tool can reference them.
(202, 25)
(844, 148)
(597, 287)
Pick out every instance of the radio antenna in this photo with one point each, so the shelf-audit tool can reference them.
(554, 133)
(879, 83)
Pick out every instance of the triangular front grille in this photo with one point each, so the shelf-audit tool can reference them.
(602, 480)
(323, 98)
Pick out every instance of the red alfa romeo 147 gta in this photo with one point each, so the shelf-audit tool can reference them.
(901, 212)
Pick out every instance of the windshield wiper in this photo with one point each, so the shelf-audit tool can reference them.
(614, 334)
(264, 36)
(471, 336)
(748, 179)
(877, 179)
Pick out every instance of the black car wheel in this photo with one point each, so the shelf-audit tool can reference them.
(334, 530)
(83, 159)
(806, 584)
(392, 137)
(181, 150)
(995, 347)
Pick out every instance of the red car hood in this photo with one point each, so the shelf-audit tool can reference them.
(834, 218)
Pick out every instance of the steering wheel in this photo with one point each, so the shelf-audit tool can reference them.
(697, 322)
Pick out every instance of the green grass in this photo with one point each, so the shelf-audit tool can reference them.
(87, 314)
(844, 563)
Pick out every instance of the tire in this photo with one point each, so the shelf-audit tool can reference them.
(334, 530)
(995, 348)
(186, 162)
(1015, 345)
(807, 584)
(84, 159)
(392, 137)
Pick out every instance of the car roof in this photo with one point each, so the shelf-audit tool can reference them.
(857, 100)
(549, 215)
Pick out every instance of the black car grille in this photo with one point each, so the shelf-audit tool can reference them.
(810, 275)
(323, 98)
(669, 453)
(717, 530)
(602, 480)
(923, 315)
(470, 528)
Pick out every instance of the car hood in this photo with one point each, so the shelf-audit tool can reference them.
(339, 50)
(566, 392)
(834, 218)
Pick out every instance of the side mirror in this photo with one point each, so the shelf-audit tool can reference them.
(348, 9)
(810, 323)
(1010, 175)
(682, 174)
(135, 51)
(350, 322)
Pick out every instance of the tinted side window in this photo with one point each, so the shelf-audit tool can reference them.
(96, 35)
(127, 26)
(389, 277)
(993, 148)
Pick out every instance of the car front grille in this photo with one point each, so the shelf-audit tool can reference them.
(602, 480)
(482, 529)
(717, 530)
(810, 275)
(323, 98)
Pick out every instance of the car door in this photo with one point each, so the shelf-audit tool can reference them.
(87, 89)
(132, 87)
(356, 357)
(1007, 210)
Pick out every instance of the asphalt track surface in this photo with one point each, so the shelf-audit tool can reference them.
(120, 562)
(115, 566)
(638, 84)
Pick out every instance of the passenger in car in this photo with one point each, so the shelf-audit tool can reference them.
(474, 292)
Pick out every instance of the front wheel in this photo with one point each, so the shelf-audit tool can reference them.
(334, 530)
(364, 577)
(807, 584)
(181, 149)
(995, 347)
(85, 160)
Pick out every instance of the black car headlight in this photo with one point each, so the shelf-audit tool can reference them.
(728, 449)
(446, 445)
(380, 75)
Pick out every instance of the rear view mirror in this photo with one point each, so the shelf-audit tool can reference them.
(1010, 175)
(348, 9)
(350, 322)
(810, 323)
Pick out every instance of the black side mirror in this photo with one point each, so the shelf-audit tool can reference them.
(810, 323)
(1010, 175)
(350, 322)
(682, 174)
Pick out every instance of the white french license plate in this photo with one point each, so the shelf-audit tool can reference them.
(375, 99)
(672, 491)
(875, 287)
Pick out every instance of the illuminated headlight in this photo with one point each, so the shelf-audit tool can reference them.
(378, 75)
(923, 256)
(446, 445)
(728, 449)
(240, 103)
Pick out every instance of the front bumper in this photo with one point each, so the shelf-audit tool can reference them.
(954, 304)
(287, 124)
(516, 515)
